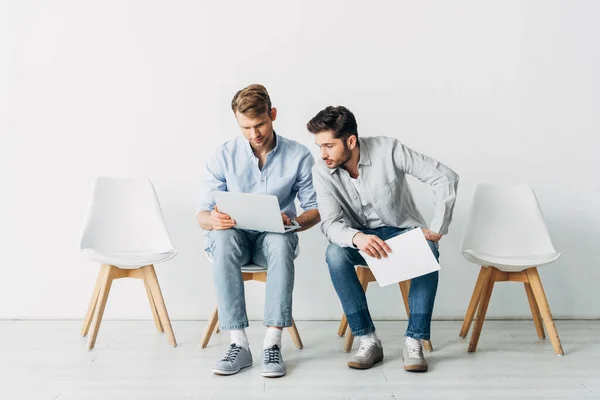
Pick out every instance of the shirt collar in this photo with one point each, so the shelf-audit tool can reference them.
(251, 152)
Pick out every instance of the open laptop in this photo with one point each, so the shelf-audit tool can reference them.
(258, 212)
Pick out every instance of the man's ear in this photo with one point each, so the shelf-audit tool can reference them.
(273, 114)
(351, 141)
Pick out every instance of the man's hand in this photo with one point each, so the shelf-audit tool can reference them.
(220, 221)
(430, 235)
(286, 219)
(372, 245)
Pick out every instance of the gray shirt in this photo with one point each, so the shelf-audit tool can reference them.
(383, 166)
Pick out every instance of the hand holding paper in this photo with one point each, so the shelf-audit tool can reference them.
(411, 257)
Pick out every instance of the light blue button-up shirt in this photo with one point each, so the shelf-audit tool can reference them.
(285, 174)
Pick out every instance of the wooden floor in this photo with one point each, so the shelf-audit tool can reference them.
(48, 360)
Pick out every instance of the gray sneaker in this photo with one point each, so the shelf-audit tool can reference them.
(233, 361)
(368, 354)
(412, 354)
(273, 365)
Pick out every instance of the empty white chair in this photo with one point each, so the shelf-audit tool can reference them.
(250, 272)
(507, 236)
(125, 232)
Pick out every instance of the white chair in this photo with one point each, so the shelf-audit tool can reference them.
(507, 236)
(250, 272)
(126, 233)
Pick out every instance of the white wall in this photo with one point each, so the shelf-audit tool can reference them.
(504, 91)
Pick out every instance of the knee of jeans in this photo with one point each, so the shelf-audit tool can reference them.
(335, 256)
(277, 242)
(434, 248)
(225, 237)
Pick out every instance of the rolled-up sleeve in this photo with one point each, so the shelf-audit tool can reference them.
(442, 179)
(304, 183)
(332, 223)
(213, 180)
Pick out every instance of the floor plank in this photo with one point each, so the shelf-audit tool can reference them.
(48, 360)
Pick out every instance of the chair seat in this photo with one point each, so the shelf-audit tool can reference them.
(131, 260)
(510, 263)
(253, 268)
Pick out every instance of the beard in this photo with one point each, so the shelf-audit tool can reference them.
(345, 157)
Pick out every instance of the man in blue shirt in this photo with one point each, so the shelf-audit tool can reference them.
(260, 162)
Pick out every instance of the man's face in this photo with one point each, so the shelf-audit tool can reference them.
(258, 130)
(334, 152)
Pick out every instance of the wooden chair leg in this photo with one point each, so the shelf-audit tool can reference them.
(161, 309)
(212, 323)
(106, 282)
(542, 301)
(92, 306)
(343, 326)
(157, 322)
(217, 330)
(484, 274)
(348, 341)
(535, 311)
(295, 335)
(427, 345)
(483, 306)
(405, 290)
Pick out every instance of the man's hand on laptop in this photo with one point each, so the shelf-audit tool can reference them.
(372, 245)
(286, 219)
(220, 221)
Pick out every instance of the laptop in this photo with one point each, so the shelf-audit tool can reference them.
(258, 212)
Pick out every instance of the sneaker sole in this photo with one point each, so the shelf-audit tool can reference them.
(272, 374)
(224, 372)
(415, 368)
(356, 365)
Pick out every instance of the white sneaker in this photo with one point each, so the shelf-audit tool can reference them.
(368, 354)
(412, 354)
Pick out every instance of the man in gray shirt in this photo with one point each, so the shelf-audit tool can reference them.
(364, 199)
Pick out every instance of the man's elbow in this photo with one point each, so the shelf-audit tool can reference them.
(452, 176)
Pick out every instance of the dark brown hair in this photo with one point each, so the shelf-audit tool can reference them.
(338, 119)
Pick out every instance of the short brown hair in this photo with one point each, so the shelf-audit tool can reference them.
(338, 119)
(252, 101)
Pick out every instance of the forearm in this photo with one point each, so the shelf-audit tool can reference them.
(444, 201)
(203, 218)
(308, 219)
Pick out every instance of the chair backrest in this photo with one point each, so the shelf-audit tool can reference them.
(506, 221)
(125, 217)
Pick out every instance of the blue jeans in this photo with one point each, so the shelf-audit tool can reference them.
(231, 249)
(341, 262)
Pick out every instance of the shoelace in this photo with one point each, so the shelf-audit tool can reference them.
(414, 350)
(272, 355)
(232, 353)
(364, 348)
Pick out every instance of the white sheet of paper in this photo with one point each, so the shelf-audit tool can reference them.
(410, 257)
